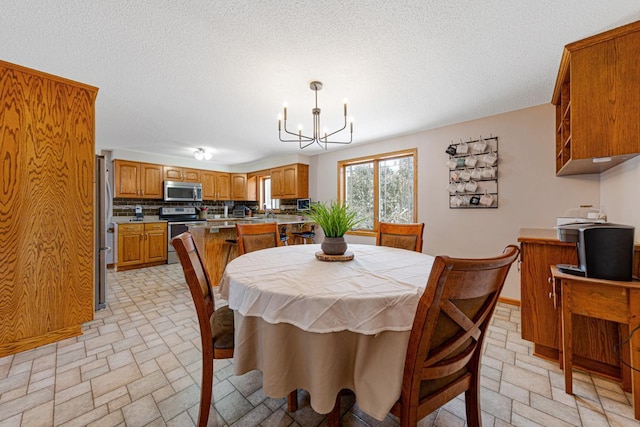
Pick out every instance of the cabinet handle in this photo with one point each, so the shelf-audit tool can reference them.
(550, 295)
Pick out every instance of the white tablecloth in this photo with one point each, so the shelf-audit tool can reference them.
(326, 326)
(377, 291)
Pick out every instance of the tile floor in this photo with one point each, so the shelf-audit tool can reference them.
(138, 364)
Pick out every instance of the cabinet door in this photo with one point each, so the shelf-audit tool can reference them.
(539, 316)
(127, 178)
(151, 181)
(172, 173)
(604, 98)
(289, 182)
(238, 186)
(130, 245)
(277, 183)
(252, 187)
(191, 175)
(156, 242)
(209, 185)
(223, 186)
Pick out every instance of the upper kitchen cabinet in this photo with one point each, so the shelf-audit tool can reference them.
(252, 186)
(290, 181)
(216, 185)
(174, 173)
(47, 254)
(239, 186)
(597, 102)
(138, 180)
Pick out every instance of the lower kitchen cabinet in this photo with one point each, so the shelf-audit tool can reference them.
(141, 245)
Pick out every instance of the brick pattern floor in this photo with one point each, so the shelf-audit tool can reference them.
(138, 364)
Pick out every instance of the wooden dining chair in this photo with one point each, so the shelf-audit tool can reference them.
(216, 326)
(403, 236)
(253, 237)
(445, 345)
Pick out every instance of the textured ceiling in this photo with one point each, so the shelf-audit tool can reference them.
(176, 75)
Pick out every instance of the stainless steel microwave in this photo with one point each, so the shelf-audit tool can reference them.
(175, 191)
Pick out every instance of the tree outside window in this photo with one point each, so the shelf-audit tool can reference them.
(380, 188)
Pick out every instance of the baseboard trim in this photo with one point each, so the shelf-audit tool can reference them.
(509, 301)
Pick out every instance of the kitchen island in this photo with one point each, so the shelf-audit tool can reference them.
(211, 239)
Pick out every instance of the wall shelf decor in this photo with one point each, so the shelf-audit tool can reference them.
(473, 173)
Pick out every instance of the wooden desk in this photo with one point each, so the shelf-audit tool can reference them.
(602, 299)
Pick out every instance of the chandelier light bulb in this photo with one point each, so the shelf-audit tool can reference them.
(208, 155)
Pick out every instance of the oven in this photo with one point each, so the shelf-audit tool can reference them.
(178, 221)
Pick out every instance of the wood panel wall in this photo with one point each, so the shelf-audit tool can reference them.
(47, 175)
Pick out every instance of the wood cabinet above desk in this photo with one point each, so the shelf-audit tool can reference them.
(594, 339)
(597, 102)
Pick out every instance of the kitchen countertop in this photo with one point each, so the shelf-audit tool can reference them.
(217, 223)
(130, 219)
(220, 222)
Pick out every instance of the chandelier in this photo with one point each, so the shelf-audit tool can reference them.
(317, 137)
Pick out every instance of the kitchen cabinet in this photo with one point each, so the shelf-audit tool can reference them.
(47, 254)
(252, 186)
(142, 245)
(174, 173)
(290, 181)
(137, 180)
(216, 185)
(594, 340)
(597, 102)
(238, 186)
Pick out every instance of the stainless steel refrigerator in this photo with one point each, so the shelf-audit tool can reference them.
(103, 203)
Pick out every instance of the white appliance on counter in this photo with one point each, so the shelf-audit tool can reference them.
(582, 215)
(178, 221)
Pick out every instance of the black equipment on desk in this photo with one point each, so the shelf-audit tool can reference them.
(605, 251)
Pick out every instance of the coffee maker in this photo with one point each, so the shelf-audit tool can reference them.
(605, 251)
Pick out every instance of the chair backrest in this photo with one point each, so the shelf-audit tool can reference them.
(253, 237)
(198, 282)
(403, 236)
(445, 346)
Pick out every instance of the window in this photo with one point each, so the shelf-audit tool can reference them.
(266, 202)
(380, 188)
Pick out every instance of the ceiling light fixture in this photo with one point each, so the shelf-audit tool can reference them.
(201, 153)
(306, 141)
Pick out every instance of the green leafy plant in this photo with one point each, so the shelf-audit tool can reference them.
(335, 219)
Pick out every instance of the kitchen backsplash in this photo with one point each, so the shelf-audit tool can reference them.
(126, 207)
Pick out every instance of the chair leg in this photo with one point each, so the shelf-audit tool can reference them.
(292, 401)
(334, 415)
(205, 391)
(472, 403)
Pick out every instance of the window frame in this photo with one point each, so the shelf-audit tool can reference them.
(376, 158)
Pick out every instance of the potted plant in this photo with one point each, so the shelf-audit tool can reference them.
(335, 219)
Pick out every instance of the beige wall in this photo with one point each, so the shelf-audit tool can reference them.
(620, 195)
(530, 193)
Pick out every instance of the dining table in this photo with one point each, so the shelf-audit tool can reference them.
(325, 326)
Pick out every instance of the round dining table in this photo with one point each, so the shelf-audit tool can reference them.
(325, 326)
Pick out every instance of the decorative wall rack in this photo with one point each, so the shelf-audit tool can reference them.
(473, 173)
